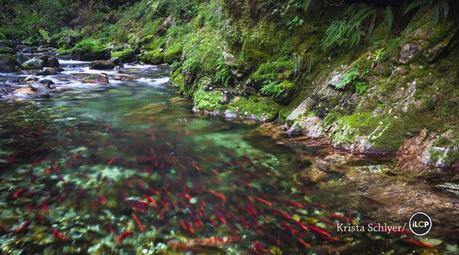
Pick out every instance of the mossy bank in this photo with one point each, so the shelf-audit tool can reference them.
(372, 80)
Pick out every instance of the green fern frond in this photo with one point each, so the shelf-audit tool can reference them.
(389, 17)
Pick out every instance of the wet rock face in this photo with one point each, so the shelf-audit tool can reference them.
(409, 52)
(310, 126)
(428, 153)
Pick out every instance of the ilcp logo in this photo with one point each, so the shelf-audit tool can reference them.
(420, 224)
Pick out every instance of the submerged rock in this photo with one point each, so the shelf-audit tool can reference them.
(101, 79)
(124, 77)
(48, 71)
(30, 78)
(35, 89)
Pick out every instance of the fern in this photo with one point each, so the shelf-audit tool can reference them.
(389, 17)
(440, 8)
(349, 78)
(272, 88)
(361, 87)
(223, 74)
(349, 30)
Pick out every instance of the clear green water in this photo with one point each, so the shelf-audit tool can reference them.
(130, 169)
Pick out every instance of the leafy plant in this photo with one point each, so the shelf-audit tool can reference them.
(271, 88)
(440, 8)
(389, 16)
(349, 31)
(361, 87)
(223, 74)
(275, 89)
(277, 70)
(349, 78)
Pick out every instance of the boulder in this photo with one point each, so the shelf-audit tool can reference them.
(21, 58)
(35, 89)
(52, 62)
(48, 83)
(102, 65)
(89, 55)
(8, 63)
(34, 63)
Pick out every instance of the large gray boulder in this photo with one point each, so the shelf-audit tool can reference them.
(34, 63)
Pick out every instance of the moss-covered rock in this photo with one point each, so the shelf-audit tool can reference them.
(126, 54)
(172, 54)
(210, 101)
(261, 108)
(89, 50)
(153, 57)
(364, 132)
(8, 63)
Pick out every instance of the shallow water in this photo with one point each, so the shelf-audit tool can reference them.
(130, 169)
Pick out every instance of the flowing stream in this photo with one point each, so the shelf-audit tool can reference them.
(128, 168)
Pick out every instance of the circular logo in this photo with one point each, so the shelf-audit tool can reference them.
(420, 224)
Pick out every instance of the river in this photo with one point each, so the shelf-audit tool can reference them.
(128, 168)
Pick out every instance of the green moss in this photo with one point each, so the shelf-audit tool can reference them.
(153, 57)
(208, 100)
(260, 107)
(124, 55)
(277, 70)
(172, 54)
(375, 130)
(281, 92)
(64, 51)
(89, 49)
(178, 80)
(67, 38)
